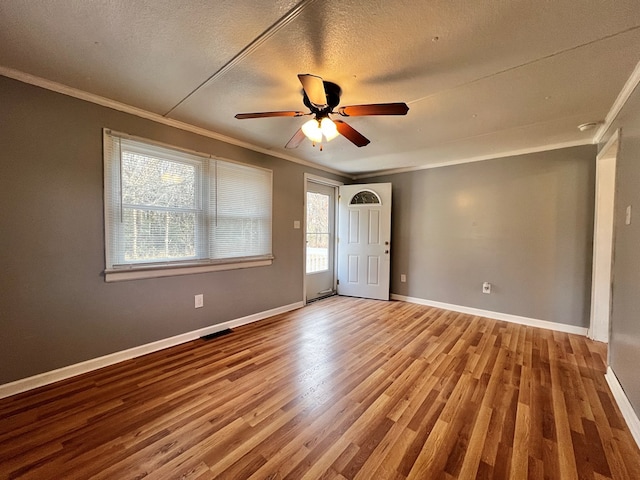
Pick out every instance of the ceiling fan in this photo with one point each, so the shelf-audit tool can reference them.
(322, 97)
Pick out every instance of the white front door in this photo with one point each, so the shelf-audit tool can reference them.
(364, 240)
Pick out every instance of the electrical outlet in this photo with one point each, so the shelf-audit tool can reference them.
(199, 300)
(486, 287)
(403, 278)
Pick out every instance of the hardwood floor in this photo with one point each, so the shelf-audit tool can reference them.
(344, 388)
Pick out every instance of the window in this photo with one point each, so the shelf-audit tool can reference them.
(365, 197)
(169, 212)
(317, 232)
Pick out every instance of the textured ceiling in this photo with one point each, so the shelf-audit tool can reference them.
(481, 79)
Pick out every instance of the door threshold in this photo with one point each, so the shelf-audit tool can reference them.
(333, 294)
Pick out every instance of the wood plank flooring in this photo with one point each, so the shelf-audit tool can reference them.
(344, 388)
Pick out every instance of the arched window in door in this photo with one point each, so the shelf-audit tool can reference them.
(365, 197)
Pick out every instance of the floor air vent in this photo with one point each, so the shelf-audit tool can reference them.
(213, 335)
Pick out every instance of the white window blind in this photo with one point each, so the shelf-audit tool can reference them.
(165, 207)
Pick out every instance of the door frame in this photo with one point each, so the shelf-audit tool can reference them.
(603, 251)
(309, 177)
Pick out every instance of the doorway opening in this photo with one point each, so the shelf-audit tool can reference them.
(603, 241)
(320, 238)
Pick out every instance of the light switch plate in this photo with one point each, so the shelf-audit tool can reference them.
(199, 300)
(627, 217)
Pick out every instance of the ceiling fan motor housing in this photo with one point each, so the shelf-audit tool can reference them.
(333, 92)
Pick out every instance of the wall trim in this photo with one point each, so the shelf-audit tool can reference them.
(628, 88)
(493, 156)
(172, 271)
(605, 151)
(600, 322)
(52, 376)
(323, 180)
(507, 317)
(629, 414)
(155, 117)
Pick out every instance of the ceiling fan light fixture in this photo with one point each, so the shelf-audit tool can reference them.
(329, 129)
(315, 129)
(312, 131)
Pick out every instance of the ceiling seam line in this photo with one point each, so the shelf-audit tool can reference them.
(546, 57)
(248, 49)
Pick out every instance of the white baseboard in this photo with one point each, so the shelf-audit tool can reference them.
(52, 376)
(625, 406)
(532, 322)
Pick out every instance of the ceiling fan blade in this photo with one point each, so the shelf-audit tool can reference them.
(314, 88)
(296, 140)
(374, 109)
(242, 116)
(351, 134)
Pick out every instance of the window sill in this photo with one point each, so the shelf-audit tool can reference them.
(138, 273)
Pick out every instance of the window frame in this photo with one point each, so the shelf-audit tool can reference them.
(328, 233)
(117, 270)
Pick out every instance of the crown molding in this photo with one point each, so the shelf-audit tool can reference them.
(511, 153)
(628, 88)
(630, 85)
(139, 112)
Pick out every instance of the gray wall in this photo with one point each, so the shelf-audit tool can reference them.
(624, 342)
(524, 224)
(55, 308)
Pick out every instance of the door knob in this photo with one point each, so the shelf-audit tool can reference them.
(386, 251)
